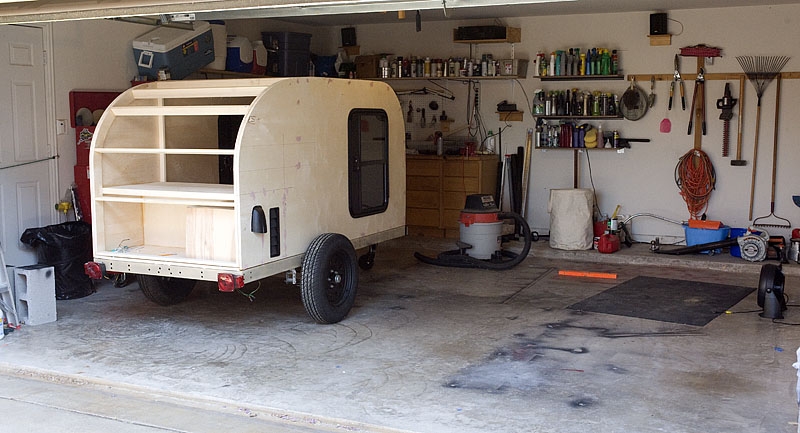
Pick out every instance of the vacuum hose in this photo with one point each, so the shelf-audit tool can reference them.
(459, 259)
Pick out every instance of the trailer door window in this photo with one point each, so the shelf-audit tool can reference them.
(368, 151)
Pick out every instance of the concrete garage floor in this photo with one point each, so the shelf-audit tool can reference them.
(427, 349)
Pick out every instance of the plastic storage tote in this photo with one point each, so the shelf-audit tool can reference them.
(289, 53)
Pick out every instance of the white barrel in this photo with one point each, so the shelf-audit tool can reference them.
(571, 219)
(485, 238)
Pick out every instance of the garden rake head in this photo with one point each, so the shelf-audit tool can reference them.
(761, 70)
(782, 223)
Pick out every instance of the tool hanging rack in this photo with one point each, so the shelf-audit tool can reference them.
(701, 52)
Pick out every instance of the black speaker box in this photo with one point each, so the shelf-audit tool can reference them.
(349, 37)
(658, 24)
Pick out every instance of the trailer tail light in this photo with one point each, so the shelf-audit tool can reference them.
(94, 270)
(229, 282)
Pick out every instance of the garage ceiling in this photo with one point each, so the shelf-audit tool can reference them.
(340, 12)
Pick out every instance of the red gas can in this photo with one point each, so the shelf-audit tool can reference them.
(608, 244)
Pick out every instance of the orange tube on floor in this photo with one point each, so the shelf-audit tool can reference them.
(605, 275)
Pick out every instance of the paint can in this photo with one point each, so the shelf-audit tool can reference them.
(794, 250)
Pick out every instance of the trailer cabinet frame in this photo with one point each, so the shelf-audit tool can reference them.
(159, 205)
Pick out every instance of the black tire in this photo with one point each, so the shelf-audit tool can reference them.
(366, 261)
(329, 278)
(165, 291)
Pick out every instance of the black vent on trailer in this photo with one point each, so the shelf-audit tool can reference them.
(274, 232)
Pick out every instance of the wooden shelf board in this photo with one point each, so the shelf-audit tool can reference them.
(173, 190)
(158, 151)
(181, 110)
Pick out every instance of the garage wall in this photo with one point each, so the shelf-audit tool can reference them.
(96, 55)
(88, 55)
(642, 179)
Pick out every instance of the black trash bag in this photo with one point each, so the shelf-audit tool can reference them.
(65, 247)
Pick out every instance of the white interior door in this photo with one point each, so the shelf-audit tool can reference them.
(26, 166)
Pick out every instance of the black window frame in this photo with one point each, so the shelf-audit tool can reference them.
(356, 186)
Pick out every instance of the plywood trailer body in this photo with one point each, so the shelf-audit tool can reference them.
(238, 179)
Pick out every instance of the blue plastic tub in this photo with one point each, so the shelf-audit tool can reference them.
(703, 236)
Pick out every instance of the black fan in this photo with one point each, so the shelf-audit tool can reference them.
(770, 292)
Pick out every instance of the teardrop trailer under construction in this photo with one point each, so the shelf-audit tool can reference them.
(237, 180)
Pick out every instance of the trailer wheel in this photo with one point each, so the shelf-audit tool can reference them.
(165, 290)
(330, 278)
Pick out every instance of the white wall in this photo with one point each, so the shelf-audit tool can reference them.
(88, 55)
(642, 179)
(96, 55)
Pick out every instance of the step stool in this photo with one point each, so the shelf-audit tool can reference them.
(35, 287)
(8, 306)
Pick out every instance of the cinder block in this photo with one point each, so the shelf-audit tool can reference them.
(35, 288)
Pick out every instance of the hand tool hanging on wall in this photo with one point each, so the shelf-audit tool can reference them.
(784, 223)
(676, 77)
(760, 70)
(739, 162)
(726, 104)
(699, 93)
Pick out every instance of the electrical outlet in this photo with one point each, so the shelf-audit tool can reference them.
(61, 126)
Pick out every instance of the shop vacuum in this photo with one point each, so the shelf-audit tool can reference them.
(481, 238)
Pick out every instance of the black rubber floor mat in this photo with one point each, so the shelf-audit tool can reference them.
(676, 301)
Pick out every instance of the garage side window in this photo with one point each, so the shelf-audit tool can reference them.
(368, 152)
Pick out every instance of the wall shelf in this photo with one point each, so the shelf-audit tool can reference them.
(618, 149)
(560, 117)
(580, 77)
(496, 78)
(510, 116)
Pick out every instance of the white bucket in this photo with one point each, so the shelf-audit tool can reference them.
(485, 238)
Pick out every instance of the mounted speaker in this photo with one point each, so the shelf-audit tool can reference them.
(658, 24)
(349, 37)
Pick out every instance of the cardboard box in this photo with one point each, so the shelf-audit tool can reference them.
(367, 66)
(179, 51)
(514, 67)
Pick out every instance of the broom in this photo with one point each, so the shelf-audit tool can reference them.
(760, 70)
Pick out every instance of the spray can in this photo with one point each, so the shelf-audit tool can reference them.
(490, 144)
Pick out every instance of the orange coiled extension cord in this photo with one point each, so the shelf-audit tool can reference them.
(695, 178)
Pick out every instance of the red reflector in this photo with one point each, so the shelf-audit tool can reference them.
(93, 270)
(229, 282)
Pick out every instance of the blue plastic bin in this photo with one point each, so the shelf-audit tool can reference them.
(703, 236)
